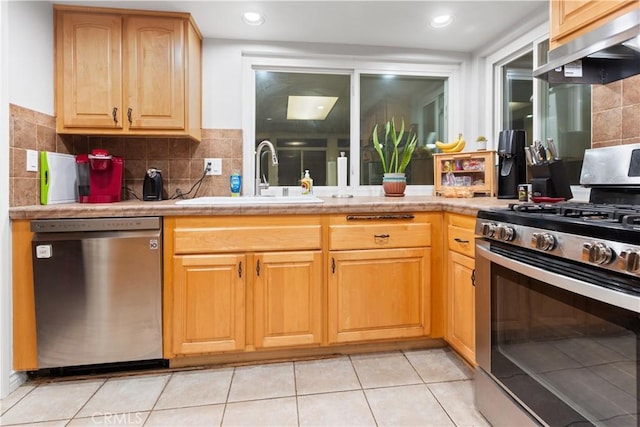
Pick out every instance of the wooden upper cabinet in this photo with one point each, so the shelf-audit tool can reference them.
(155, 77)
(89, 71)
(573, 18)
(126, 73)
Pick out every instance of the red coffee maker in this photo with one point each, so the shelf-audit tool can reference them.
(99, 177)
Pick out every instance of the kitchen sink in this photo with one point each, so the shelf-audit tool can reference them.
(249, 200)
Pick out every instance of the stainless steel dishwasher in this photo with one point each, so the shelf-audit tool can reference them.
(98, 290)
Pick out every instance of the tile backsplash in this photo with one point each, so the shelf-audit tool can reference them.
(615, 113)
(181, 160)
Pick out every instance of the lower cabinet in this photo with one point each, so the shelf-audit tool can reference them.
(461, 333)
(460, 293)
(242, 283)
(379, 277)
(208, 303)
(287, 299)
(378, 294)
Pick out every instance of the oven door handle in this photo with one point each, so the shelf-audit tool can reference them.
(599, 293)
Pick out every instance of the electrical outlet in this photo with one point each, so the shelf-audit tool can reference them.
(32, 161)
(213, 166)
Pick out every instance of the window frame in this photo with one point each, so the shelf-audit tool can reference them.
(494, 91)
(354, 67)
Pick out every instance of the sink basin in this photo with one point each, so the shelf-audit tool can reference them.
(250, 200)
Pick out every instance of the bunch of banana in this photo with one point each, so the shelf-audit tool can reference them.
(452, 147)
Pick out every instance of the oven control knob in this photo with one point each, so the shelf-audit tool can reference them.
(597, 253)
(630, 261)
(488, 229)
(543, 241)
(506, 233)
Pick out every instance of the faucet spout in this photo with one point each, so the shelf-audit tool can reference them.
(257, 190)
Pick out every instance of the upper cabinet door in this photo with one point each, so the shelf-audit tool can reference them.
(573, 18)
(155, 64)
(89, 70)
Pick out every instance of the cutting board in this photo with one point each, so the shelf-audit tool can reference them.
(58, 178)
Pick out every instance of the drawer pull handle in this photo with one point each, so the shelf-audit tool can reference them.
(378, 217)
(461, 241)
(381, 236)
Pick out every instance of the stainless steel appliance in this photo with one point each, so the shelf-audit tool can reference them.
(558, 311)
(98, 290)
(610, 52)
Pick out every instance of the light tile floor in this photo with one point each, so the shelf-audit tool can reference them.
(403, 388)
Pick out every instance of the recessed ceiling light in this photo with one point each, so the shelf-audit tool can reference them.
(253, 18)
(441, 21)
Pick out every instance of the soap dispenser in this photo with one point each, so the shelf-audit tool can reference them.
(307, 183)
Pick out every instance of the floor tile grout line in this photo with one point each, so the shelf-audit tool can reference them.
(441, 405)
(226, 400)
(353, 366)
(295, 389)
(158, 398)
(17, 401)
(104, 381)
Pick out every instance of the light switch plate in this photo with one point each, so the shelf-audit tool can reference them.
(216, 166)
(32, 161)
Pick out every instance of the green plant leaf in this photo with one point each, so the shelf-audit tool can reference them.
(376, 145)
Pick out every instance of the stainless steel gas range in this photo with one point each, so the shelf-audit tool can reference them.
(558, 306)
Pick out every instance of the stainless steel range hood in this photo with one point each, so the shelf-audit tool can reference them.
(606, 54)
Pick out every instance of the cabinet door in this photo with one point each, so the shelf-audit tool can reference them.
(155, 83)
(209, 303)
(89, 70)
(572, 18)
(461, 319)
(378, 294)
(288, 298)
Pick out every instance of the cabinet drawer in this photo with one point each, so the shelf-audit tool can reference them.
(267, 238)
(372, 236)
(461, 240)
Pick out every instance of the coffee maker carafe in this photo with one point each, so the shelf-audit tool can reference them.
(512, 169)
(99, 177)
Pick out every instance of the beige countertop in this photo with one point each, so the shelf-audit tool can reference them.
(467, 206)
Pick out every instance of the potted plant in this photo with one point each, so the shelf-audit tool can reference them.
(481, 143)
(394, 156)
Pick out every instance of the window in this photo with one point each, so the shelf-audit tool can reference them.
(307, 118)
(353, 101)
(420, 102)
(558, 111)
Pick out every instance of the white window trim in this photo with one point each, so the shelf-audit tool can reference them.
(353, 67)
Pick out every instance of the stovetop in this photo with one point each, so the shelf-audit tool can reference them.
(617, 222)
(604, 236)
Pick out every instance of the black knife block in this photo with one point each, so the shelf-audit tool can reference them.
(549, 179)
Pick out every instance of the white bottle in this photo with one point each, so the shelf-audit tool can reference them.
(307, 183)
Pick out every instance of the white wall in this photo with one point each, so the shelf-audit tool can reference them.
(31, 55)
(5, 234)
(26, 79)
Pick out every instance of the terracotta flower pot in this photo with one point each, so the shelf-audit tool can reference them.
(394, 184)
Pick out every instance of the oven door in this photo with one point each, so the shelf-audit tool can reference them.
(553, 342)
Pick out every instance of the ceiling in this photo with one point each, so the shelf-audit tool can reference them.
(372, 23)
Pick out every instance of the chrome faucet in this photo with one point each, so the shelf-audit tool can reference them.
(257, 190)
